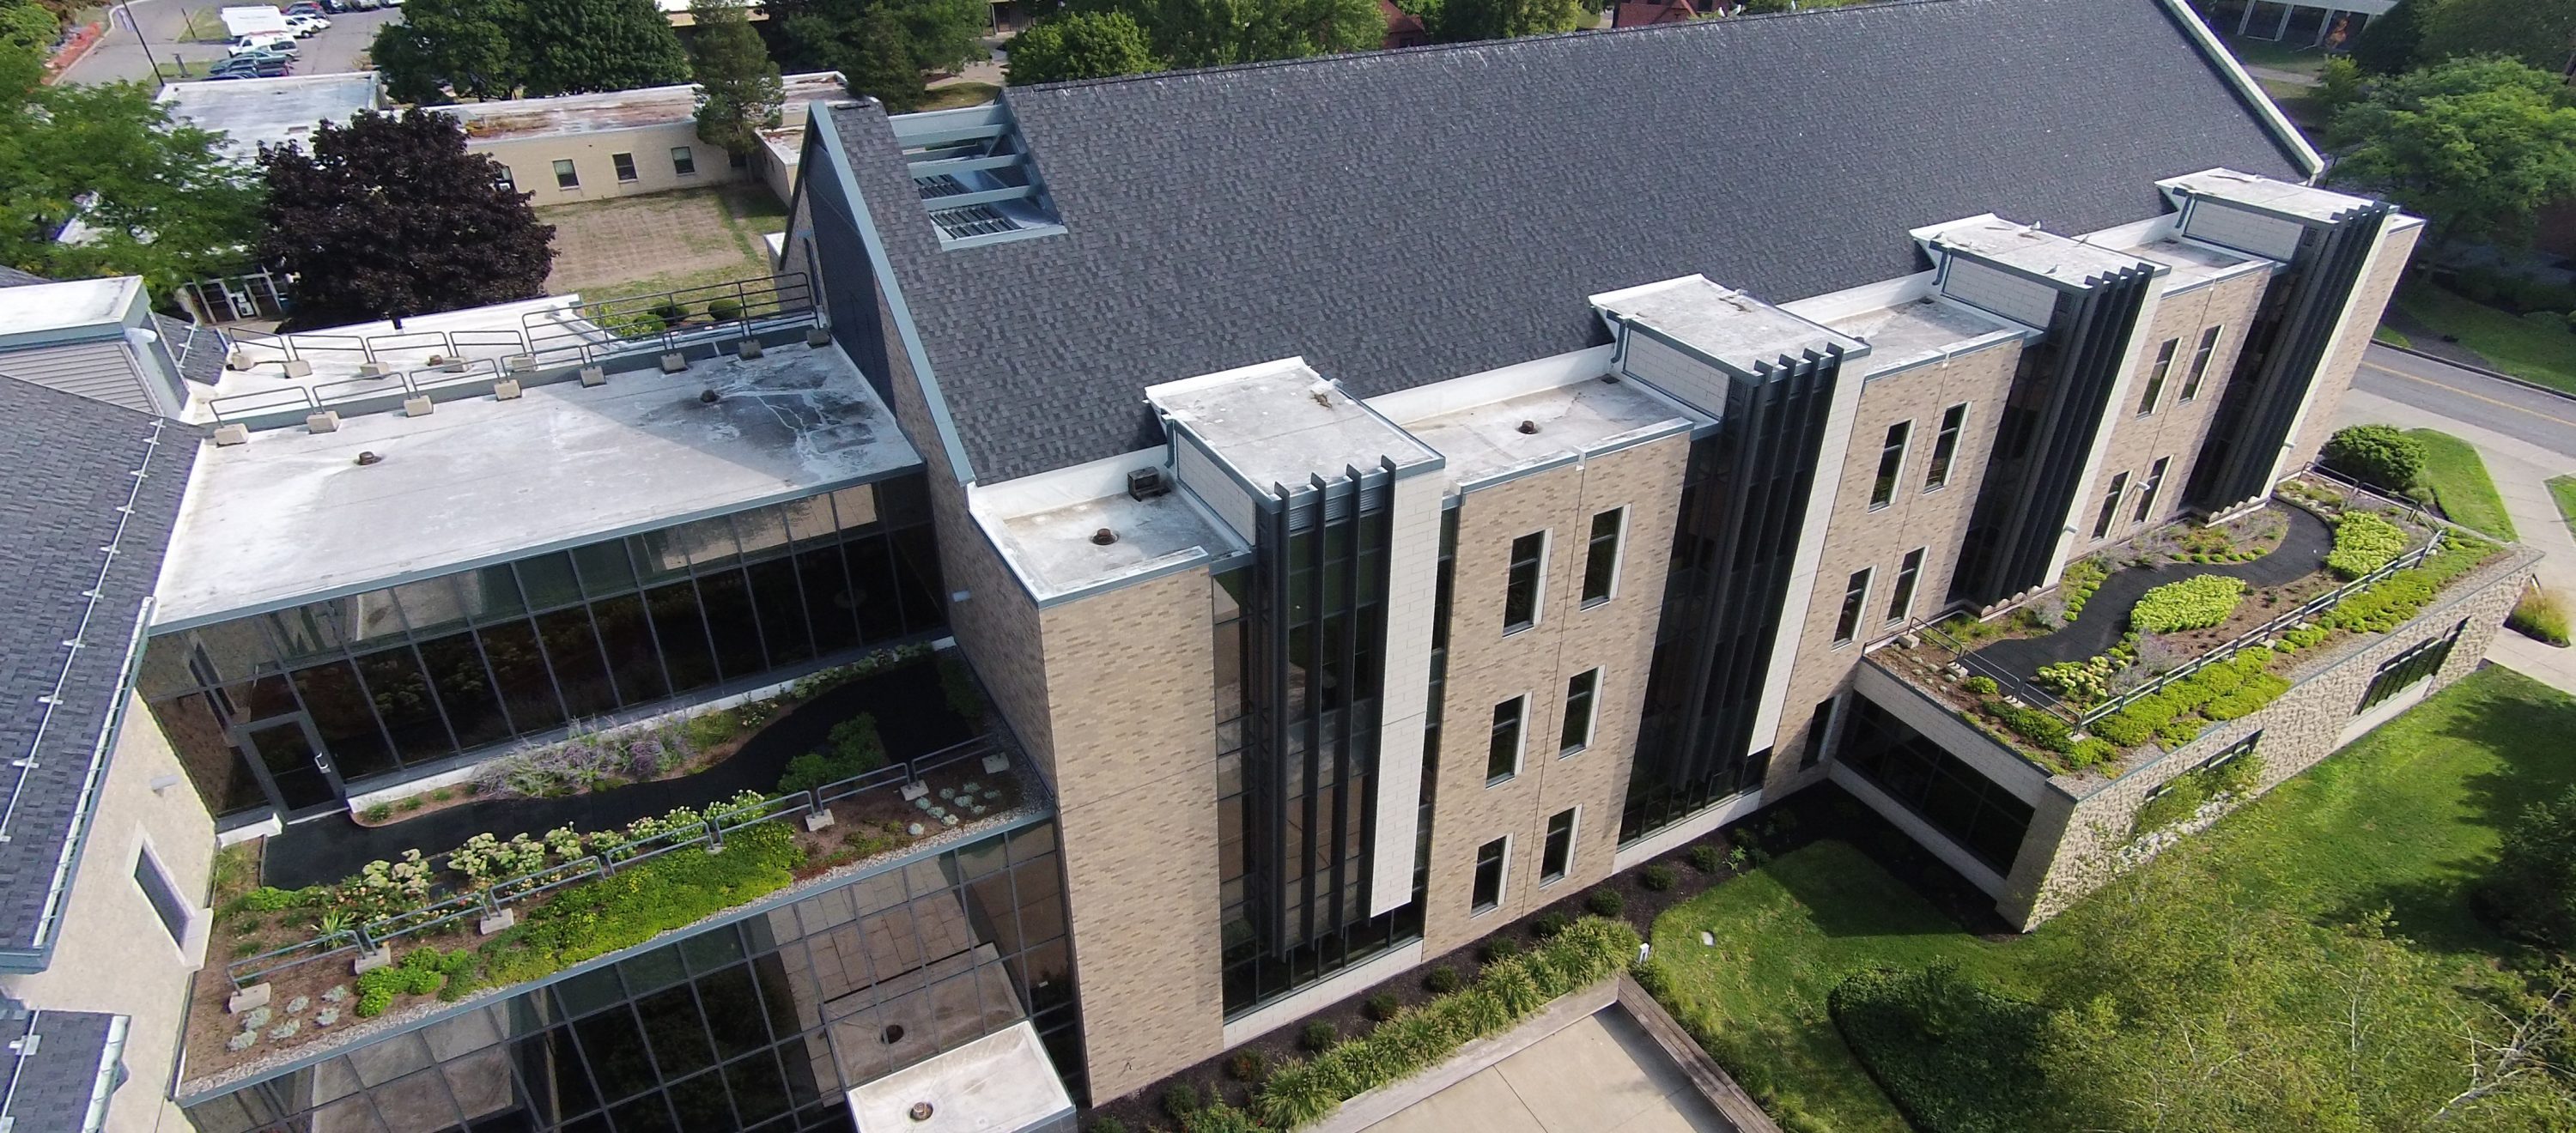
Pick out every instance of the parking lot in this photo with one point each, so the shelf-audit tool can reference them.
(185, 36)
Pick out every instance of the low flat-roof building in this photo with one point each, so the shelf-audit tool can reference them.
(586, 147)
(255, 112)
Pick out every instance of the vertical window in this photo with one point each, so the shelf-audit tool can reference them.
(2110, 505)
(1520, 594)
(625, 164)
(565, 178)
(1855, 595)
(1489, 874)
(1580, 695)
(738, 160)
(157, 888)
(2156, 376)
(503, 178)
(1503, 749)
(683, 162)
(1891, 464)
(1820, 727)
(2147, 493)
(1557, 855)
(1945, 446)
(1900, 598)
(1601, 558)
(2200, 363)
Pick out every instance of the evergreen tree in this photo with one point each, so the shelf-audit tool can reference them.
(472, 47)
(389, 215)
(881, 65)
(1080, 45)
(739, 92)
(600, 45)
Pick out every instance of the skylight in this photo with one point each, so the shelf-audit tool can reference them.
(972, 171)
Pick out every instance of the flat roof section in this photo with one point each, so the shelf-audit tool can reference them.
(2286, 197)
(1053, 553)
(1282, 423)
(275, 111)
(38, 308)
(2030, 249)
(1726, 324)
(2194, 262)
(523, 118)
(1594, 415)
(474, 333)
(291, 516)
(1909, 333)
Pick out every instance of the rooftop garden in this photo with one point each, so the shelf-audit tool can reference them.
(2143, 647)
(805, 786)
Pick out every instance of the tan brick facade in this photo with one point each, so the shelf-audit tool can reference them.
(1858, 538)
(2334, 375)
(2176, 428)
(1486, 668)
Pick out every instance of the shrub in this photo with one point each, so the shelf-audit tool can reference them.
(2364, 542)
(957, 685)
(1549, 924)
(2532, 890)
(855, 749)
(724, 310)
(2041, 729)
(2540, 615)
(1981, 686)
(1107, 1125)
(671, 313)
(2091, 751)
(1219, 1117)
(1706, 857)
(644, 900)
(2179, 800)
(2257, 691)
(1247, 1066)
(2306, 637)
(2193, 603)
(1319, 1036)
(1952, 1055)
(2379, 454)
(1441, 980)
(1381, 1007)
(2082, 578)
(1605, 902)
(1657, 877)
(1498, 948)
(1181, 1100)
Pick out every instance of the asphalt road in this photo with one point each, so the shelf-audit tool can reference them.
(171, 28)
(2445, 390)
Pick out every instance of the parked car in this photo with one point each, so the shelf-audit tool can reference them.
(257, 65)
(305, 8)
(306, 25)
(272, 41)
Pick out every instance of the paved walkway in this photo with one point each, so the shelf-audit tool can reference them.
(1602, 1075)
(2521, 471)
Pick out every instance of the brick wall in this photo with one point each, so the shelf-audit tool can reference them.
(2176, 428)
(1487, 668)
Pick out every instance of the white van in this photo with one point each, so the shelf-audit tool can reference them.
(280, 42)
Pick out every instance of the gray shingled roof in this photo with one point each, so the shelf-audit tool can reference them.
(49, 1090)
(1405, 217)
(199, 349)
(12, 277)
(67, 466)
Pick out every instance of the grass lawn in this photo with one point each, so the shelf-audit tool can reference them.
(2563, 490)
(2531, 349)
(2403, 818)
(2390, 335)
(2459, 482)
(663, 241)
(2277, 56)
(956, 95)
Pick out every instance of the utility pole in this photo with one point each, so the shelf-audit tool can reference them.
(123, 9)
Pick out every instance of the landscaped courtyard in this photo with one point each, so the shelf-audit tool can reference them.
(662, 241)
(2403, 823)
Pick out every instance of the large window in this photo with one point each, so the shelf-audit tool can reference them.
(2200, 363)
(1489, 875)
(2110, 506)
(763, 1022)
(1900, 597)
(2155, 484)
(1581, 694)
(1945, 447)
(402, 678)
(2406, 670)
(1950, 796)
(1521, 585)
(1855, 598)
(1557, 855)
(163, 894)
(1891, 464)
(684, 163)
(2156, 376)
(1601, 557)
(1820, 725)
(1503, 746)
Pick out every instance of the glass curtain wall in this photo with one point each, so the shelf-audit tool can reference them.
(408, 676)
(759, 1024)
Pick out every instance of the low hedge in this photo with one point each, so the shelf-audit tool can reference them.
(2193, 603)
(2396, 599)
(1508, 990)
(2236, 686)
(1953, 1056)
(2364, 542)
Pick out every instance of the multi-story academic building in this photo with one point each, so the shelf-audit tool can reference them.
(1377, 497)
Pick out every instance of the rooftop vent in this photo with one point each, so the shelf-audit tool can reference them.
(1147, 483)
(972, 172)
(369, 457)
(1103, 537)
(972, 220)
(1529, 426)
(939, 185)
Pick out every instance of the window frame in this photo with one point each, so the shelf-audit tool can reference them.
(181, 917)
(2156, 375)
(1502, 858)
(1537, 581)
(1519, 723)
(684, 161)
(567, 175)
(1894, 446)
(622, 166)
(1591, 713)
(2200, 357)
(1945, 448)
(2148, 491)
(508, 181)
(1855, 607)
(1617, 540)
(1909, 577)
(1573, 817)
(2110, 514)
(1820, 730)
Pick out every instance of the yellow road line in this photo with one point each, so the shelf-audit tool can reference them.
(2464, 393)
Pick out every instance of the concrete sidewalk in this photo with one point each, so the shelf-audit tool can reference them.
(2521, 471)
(1602, 1075)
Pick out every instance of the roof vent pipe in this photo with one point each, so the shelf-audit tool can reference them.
(1104, 537)
(1529, 426)
(709, 397)
(369, 457)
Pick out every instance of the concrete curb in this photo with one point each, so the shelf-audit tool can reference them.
(1386, 1101)
(2481, 371)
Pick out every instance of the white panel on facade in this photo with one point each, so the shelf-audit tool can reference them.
(99, 370)
(1199, 473)
(1657, 364)
(1413, 568)
(2243, 230)
(2021, 300)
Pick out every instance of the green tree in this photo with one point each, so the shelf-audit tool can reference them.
(2539, 32)
(1080, 45)
(1215, 33)
(850, 36)
(880, 64)
(2472, 145)
(739, 92)
(389, 215)
(154, 198)
(2533, 888)
(2390, 43)
(26, 25)
(599, 45)
(1464, 20)
(471, 47)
